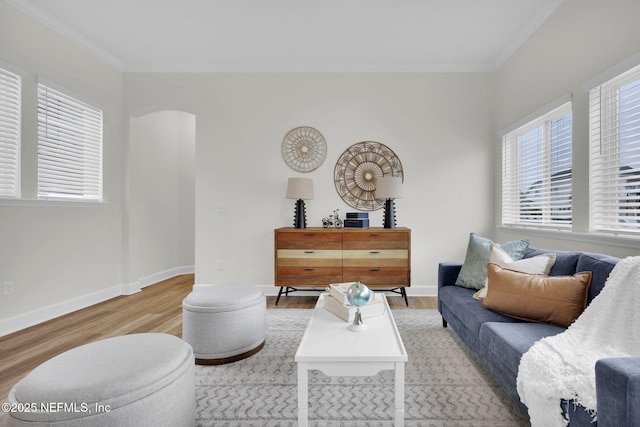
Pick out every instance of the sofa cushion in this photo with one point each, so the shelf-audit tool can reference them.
(460, 301)
(558, 300)
(474, 270)
(600, 266)
(509, 341)
(540, 264)
(566, 262)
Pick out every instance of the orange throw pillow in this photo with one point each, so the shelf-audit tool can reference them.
(547, 299)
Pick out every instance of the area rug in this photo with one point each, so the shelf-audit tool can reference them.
(444, 385)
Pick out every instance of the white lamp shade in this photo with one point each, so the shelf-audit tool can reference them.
(300, 188)
(389, 187)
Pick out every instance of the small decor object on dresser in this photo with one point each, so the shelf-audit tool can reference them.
(357, 220)
(332, 220)
(300, 189)
(358, 215)
(356, 223)
(388, 188)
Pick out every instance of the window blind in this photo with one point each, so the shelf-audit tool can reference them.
(536, 171)
(614, 135)
(69, 147)
(10, 106)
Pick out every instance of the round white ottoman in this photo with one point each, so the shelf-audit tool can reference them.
(131, 380)
(224, 323)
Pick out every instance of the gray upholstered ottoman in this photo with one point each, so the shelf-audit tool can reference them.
(131, 380)
(224, 323)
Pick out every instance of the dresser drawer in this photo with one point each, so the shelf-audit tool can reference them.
(308, 276)
(309, 240)
(380, 277)
(375, 258)
(380, 239)
(309, 258)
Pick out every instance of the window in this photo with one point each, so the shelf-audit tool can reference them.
(69, 147)
(614, 138)
(10, 100)
(536, 171)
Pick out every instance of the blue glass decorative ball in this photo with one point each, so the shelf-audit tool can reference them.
(358, 294)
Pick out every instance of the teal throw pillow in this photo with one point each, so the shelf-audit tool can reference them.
(474, 270)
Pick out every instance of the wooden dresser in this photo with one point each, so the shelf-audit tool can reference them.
(316, 257)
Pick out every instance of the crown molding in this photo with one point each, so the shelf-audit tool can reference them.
(36, 13)
(29, 8)
(527, 31)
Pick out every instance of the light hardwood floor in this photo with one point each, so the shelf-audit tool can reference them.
(157, 308)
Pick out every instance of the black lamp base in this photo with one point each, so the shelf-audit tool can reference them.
(300, 215)
(389, 214)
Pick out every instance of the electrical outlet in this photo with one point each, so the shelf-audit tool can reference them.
(8, 288)
(219, 265)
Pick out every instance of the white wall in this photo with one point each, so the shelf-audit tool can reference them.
(581, 40)
(439, 125)
(59, 257)
(443, 127)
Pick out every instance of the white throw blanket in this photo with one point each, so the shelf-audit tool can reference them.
(563, 366)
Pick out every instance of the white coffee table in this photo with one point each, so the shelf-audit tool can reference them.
(328, 346)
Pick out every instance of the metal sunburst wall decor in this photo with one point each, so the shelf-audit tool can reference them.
(358, 168)
(304, 149)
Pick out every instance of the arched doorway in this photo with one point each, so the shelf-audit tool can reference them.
(161, 196)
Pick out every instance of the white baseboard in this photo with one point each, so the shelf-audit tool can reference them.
(25, 320)
(22, 321)
(423, 291)
(143, 282)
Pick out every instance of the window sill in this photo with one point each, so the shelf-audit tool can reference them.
(624, 241)
(52, 202)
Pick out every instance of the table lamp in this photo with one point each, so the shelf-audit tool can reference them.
(389, 188)
(300, 189)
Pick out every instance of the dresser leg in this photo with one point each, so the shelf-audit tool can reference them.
(404, 295)
(279, 294)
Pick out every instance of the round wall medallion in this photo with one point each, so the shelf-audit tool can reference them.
(304, 149)
(356, 172)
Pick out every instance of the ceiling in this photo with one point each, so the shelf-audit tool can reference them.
(296, 35)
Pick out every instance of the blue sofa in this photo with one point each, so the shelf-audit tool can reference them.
(499, 341)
